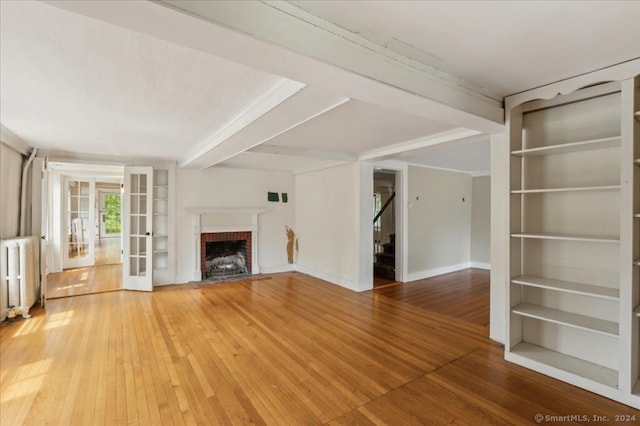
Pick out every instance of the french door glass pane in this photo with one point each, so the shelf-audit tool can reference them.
(138, 226)
(78, 224)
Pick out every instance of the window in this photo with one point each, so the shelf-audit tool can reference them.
(112, 214)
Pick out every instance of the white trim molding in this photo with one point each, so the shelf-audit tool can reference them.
(225, 210)
(428, 273)
(333, 279)
(617, 72)
(251, 226)
(480, 265)
(14, 141)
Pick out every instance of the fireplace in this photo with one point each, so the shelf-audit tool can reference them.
(213, 224)
(225, 254)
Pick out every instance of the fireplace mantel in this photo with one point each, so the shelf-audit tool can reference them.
(249, 223)
(225, 210)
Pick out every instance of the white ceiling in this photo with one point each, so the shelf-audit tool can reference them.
(470, 154)
(210, 85)
(357, 126)
(497, 47)
(71, 83)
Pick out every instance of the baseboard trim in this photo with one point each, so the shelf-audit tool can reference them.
(428, 273)
(348, 284)
(480, 265)
(289, 267)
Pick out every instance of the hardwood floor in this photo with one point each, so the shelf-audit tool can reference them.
(379, 282)
(108, 251)
(80, 281)
(287, 350)
(106, 275)
(461, 294)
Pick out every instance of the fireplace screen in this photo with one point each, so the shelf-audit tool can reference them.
(224, 254)
(225, 258)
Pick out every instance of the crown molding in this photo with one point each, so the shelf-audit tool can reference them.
(14, 141)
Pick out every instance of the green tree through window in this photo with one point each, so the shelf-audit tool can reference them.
(112, 213)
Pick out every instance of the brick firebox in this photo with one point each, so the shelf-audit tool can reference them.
(210, 237)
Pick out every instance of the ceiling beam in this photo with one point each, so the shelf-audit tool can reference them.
(294, 29)
(308, 104)
(393, 151)
(303, 152)
(269, 100)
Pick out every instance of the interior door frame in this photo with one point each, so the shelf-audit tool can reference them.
(40, 218)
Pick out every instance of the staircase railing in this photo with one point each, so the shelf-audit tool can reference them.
(384, 207)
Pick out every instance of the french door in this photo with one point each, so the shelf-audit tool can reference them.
(79, 202)
(137, 226)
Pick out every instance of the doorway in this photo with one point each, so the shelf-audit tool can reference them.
(384, 227)
(85, 222)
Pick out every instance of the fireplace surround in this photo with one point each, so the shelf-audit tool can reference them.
(231, 224)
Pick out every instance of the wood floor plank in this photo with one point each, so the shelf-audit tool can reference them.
(287, 350)
(461, 294)
(79, 281)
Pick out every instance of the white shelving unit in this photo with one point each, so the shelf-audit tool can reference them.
(584, 188)
(573, 298)
(567, 237)
(633, 129)
(162, 229)
(568, 319)
(558, 364)
(568, 287)
(569, 147)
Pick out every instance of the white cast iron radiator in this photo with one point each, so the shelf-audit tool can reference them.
(19, 276)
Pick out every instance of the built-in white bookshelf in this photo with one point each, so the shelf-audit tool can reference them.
(633, 101)
(568, 287)
(162, 230)
(568, 189)
(567, 237)
(557, 364)
(573, 293)
(570, 147)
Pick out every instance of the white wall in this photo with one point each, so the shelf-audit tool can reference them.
(481, 222)
(10, 176)
(328, 224)
(364, 218)
(499, 235)
(439, 221)
(232, 188)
